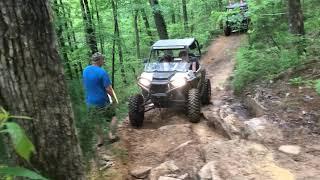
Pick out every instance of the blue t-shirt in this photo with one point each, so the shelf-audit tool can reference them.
(95, 80)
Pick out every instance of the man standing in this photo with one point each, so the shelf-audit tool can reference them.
(97, 85)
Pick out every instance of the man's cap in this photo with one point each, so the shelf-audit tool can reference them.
(97, 56)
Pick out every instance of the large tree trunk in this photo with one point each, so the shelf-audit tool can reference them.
(136, 30)
(185, 15)
(33, 84)
(295, 17)
(159, 20)
(90, 32)
(147, 25)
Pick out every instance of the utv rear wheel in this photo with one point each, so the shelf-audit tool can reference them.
(194, 105)
(227, 31)
(206, 92)
(136, 110)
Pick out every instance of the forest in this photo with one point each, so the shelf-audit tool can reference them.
(46, 44)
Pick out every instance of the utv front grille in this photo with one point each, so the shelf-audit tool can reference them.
(159, 88)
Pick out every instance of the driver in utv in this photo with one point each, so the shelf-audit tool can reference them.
(185, 57)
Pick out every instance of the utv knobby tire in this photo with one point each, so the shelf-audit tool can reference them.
(194, 105)
(227, 31)
(206, 92)
(136, 110)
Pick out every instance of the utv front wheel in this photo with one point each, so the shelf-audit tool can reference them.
(194, 105)
(227, 31)
(136, 110)
(206, 92)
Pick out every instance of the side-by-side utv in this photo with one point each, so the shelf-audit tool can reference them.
(172, 83)
(237, 18)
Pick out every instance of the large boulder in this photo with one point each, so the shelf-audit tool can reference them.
(167, 167)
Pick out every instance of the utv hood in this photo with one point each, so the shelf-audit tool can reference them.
(163, 75)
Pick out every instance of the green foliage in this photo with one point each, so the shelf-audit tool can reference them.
(253, 64)
(20, 172)
(271, 49)
(317, 86)
(299, 81)
(21, 144)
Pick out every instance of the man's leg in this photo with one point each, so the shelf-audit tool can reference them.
(113, 128)
(100, 139)
(111, 115)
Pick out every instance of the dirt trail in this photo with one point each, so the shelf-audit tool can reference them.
(228, 143)
(168, 133)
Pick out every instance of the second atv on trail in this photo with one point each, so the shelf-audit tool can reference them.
(172, 77)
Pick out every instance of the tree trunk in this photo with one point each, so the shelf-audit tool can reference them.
(90, 33)
(101, 36)
(66, 26)
(295, 16)
(61, 40)
(185, 15)
(33, 84)
(73, 33)
(118, 39)
(92, 11)
(159, 20)
(173, 17)
(136, 30)
(113, 61)
(147, 25)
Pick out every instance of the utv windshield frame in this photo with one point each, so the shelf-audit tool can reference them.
(174, 44)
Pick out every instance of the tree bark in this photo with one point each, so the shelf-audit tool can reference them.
(147, 25)
(159, 20)
(136, 30)
(90, 32)
(295, 17)
(33, 84)
(185, 15)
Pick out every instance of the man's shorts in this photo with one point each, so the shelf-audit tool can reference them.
(101, 115)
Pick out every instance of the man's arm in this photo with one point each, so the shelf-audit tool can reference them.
(110, 91)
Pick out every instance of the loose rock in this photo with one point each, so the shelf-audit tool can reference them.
(164, 168)
(141, 172)
(290, 149)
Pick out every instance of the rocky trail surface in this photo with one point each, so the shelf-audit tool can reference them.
(236, 139)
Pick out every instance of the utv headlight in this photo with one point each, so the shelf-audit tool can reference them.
(145, 79)
(144, 82)
(178, 80)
